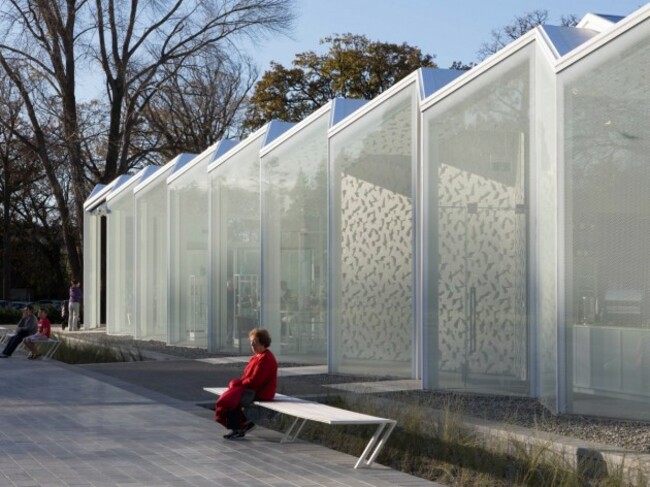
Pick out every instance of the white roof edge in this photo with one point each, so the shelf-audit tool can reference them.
(547, 45)
(146, 173)
(597, 22)
(96, 194)
(479, 69)
(129, 184)
(298, 127)
(195, 160)
(149, 181)
(617, 29)
(237, 148)
(375, 102)
(211, 153)
(91, 204)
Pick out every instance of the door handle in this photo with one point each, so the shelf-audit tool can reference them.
(472, 319)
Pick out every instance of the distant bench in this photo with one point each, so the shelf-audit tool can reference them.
(304, 411)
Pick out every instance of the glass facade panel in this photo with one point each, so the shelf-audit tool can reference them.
(188, 254)
(92, 269)
(152, 259)
(371, 240)
(294, 195)
(120, 280)
(477, 149)
(607, 175)
(235, 200)
(547, 235)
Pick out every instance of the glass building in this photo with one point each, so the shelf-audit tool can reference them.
(483, 231)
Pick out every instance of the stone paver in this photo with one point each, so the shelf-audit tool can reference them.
(65, 426)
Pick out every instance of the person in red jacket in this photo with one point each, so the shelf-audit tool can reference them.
(259, 383)
(43, 333)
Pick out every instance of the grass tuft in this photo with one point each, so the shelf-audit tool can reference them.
(442, 448)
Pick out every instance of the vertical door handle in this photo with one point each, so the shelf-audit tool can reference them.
(472, 319)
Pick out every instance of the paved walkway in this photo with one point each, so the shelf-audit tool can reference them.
(66, 425)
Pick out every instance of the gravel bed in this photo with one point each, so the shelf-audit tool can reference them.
(526, 412)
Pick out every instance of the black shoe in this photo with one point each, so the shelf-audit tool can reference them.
(235, 435)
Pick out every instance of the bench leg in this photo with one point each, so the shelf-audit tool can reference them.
(375, 445)
(288, 437)
(51, 351)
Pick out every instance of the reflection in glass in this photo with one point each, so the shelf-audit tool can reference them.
(608, 231)
(121, 291)
(235, 200)
(372, 265)
(188, 220)
(295, 253)
(151, 291)
(478, 141)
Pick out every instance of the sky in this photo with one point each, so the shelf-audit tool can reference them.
(452, 30)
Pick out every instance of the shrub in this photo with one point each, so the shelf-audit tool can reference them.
(9, 315)
(75, 352)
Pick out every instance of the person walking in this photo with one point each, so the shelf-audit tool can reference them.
(74, 306)
(26, 326)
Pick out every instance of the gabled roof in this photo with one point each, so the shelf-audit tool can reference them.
(162, 171)
(432, 79)
(563, 40)
(269, 132)
(599, 22)
(344, 107)
(126, 183)
(209, 155)
(95, 191)
(275, 129)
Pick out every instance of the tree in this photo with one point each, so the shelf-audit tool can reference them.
(198, 106)
(137, 46)
(460, 66)
(353, 67)
(501, 37)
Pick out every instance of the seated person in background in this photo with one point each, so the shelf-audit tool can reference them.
(259, 382)
(43, 333)
(26, 326)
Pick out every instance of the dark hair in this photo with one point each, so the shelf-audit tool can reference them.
(30, 307)
(43, 310)
(261, 335)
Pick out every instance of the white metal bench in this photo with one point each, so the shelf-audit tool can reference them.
(304, 411)
(51, 350)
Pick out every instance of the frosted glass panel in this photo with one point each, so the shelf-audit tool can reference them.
(188, 203)
(92, 271)
(372, 264)
(607, 171)
(478, 156)
(545, 150)
(235, 187)
(121, 289)
(295, 244)
(152, 260)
